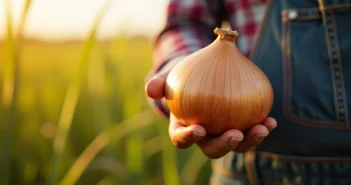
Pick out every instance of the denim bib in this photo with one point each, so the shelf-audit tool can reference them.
(304, 48)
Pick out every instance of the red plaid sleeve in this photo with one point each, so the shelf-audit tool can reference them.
(246, 16)
(189, 27)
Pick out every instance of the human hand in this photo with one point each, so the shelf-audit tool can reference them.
(183, 136)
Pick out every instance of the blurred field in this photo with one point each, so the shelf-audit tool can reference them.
(138, 150)
(75, 112)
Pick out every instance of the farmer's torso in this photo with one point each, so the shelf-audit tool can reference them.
(304, 47)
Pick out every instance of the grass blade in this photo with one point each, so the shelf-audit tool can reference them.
(22, 23)
(81, 163)
(152, 146)
(110, 165)
(71, 99)
(169, 159)
(9, 64)
(192, 168)
(141, 120)
(7, 98)
(134, 160)
(10, 84)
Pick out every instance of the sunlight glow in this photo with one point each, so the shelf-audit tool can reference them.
(172, 81)
(72, 19)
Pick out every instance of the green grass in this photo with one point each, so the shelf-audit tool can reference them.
(111, 99)
(108, 133)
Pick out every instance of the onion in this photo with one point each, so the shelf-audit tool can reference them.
(219, 88)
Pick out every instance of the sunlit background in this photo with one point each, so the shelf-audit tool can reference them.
(71, 19)
(73, 107)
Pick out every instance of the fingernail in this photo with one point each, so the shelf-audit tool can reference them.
(271, 128)
(234, 141)
(197, 135)
(259, 137)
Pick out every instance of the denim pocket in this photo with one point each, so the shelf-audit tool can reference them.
(314, 87)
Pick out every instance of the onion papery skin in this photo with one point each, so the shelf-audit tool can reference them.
(219, 88)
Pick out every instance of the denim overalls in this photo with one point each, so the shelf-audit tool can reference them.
(304, 47)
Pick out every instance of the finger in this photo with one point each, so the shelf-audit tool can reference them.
(270, 123)
(217, 147)
(154, 88)
(185, 136)
(253, 137)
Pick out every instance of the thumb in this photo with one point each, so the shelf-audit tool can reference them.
(154, 88)
(183, 136)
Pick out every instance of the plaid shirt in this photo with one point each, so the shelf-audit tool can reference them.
(190, 24)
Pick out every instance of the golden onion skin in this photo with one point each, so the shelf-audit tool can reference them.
(219, 88)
